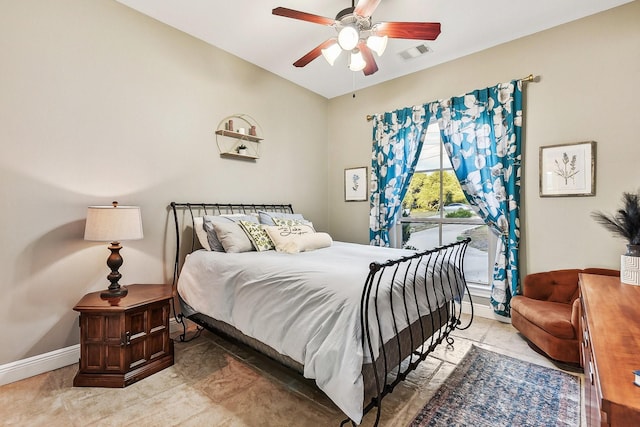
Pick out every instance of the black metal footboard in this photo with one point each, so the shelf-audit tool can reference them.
(422, 305)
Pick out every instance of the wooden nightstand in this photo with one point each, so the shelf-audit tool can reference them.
(124, 341)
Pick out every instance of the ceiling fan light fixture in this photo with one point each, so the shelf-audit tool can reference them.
(377, 44)
(354, 25)
(348, 38)
(331, 53)
(357, 62)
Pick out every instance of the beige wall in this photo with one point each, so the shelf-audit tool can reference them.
(100, 103)
(589, 88)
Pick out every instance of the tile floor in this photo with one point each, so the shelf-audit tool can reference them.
(217, 383)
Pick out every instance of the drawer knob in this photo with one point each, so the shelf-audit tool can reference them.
(126, 339)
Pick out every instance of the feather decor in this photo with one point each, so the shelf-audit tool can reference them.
(626, 221)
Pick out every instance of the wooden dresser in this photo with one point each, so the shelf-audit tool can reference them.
(610, 350)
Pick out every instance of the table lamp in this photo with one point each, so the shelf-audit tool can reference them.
(113, 224)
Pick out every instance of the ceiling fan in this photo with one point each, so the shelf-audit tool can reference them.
(357, 34)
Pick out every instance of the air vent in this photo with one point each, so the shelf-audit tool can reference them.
(414, 52)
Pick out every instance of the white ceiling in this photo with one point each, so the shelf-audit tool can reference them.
(247, 29)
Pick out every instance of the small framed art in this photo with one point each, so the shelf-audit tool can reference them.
(355, 184)
(568, 170)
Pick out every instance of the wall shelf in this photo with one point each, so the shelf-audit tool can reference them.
(239, 156)
(233, 132)
(237, 135)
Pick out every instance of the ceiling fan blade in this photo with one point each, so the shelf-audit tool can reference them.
(371, 66)
(366, 7)
(303, 16)
(408, 30)
(314, 53)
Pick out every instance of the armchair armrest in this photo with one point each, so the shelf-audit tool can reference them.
(575, 317)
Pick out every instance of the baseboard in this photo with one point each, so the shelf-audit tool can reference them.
(480, 310)
(25, 368)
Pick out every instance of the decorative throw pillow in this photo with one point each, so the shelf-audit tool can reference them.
(267, 218)
(232, 237)
(258, 236)
(201, 233)
(283, 236)
(212, 238)
(312, 241)
(288, 222)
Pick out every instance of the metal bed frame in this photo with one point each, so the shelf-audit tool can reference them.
(398, 356)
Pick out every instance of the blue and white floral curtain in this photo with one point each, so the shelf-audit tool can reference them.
(481, 132)
(397, 141)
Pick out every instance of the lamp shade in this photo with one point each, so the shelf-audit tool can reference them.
(377, 44)
(113, 223)
(357, 62)
(348, 38)
(331, 53)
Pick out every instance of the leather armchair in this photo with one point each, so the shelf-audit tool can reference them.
(547, 313)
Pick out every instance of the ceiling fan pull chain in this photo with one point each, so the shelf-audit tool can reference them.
(354, 84)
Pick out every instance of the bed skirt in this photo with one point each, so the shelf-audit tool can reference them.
(399, 348)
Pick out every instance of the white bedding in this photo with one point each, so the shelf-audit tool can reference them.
(304, 305)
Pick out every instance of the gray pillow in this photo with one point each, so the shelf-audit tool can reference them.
(266, 218)
(232, 237)
(209, 220)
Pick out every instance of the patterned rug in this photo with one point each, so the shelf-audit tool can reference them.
(490, 389)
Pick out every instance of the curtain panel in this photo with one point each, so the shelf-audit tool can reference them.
(481, 132)
(397, 142)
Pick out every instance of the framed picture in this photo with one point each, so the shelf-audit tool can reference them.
(355, 184)
(568, 170)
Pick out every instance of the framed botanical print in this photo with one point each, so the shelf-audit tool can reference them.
(355, 184)
(568, 170)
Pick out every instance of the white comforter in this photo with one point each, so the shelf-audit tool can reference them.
(305, 306)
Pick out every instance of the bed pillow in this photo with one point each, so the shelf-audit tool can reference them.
(297, 238)
(267, 218)
(290, 222)
(209, 220)
(258, 236)
(312, 241)
(201, 233)
(232, 237)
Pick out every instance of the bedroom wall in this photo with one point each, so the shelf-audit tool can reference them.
(589, 72)
(101, 103)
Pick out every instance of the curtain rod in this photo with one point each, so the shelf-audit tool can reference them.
(529, 78)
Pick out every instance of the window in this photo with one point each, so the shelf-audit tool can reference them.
(435, 212)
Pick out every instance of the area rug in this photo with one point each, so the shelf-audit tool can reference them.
(490, 389)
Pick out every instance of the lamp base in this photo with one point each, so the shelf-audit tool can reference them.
(120, 292)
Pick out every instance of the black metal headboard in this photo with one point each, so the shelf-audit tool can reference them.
(184, 215)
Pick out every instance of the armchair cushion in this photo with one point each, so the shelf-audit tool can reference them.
(553, 318)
